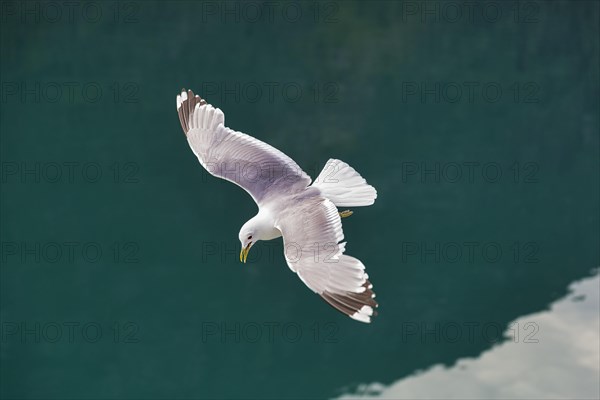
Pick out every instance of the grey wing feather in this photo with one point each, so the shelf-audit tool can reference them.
(312, 232)
(260, 169)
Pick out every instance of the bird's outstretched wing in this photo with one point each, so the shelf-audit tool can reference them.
(312, 232)
(260, 169)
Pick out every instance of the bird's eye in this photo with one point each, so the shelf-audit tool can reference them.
(249, 237)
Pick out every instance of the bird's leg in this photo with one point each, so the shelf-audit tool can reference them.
(345, 213)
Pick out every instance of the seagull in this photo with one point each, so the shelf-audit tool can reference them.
(289, 206)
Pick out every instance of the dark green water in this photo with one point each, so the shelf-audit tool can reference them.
(120, 275)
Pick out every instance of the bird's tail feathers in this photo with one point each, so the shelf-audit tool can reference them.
(341, 184)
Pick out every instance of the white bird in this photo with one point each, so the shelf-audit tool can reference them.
(288, 205)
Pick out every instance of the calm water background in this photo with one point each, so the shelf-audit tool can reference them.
(479, 131)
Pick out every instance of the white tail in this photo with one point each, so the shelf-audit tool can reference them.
(341, 184)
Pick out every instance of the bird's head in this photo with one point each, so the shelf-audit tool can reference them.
(247, 238)
(259, 227)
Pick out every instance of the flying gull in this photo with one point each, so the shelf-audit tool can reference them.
(288, 205)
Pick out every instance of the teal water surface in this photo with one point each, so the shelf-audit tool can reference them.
(120, 274)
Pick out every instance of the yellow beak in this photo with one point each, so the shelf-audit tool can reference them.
(244, 253)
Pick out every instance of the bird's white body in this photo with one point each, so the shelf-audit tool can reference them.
(305, 215)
